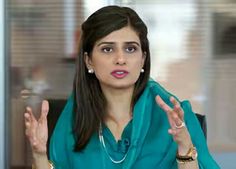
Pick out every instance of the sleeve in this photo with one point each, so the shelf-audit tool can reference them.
(62, 139)
(205, 159)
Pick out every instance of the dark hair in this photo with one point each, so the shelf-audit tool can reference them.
(89, 101)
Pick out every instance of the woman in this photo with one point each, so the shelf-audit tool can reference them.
(117, 117)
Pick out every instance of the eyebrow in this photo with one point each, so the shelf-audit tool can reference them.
(111, 43)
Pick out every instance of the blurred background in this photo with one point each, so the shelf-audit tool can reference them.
(193, 53)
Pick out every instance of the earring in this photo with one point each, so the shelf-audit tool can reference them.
(142, 70)
(90, 71)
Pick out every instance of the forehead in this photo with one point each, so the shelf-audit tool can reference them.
(124, 34)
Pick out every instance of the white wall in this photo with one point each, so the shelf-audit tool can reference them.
(2, 113)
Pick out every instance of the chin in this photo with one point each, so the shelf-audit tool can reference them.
(119, 85)
(123, 86)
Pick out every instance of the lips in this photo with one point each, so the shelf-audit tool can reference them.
(119, 74)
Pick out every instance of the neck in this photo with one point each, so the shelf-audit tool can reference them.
(119, 109)
(118, 103)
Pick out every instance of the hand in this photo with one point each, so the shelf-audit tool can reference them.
(176, 119)
(37, 130)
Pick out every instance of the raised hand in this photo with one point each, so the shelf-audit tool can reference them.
(37, 129)
(176, 119)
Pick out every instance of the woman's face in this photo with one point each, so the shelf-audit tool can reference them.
(117, 59)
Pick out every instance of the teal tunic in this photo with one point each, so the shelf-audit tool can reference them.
(145, 139)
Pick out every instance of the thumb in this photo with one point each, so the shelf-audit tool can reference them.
(44, 109)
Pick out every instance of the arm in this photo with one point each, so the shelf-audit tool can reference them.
(41, 161)
(179, 132)
(37, 133)
(188, 165)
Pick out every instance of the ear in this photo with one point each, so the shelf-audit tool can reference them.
(88, 61)
(144, 58)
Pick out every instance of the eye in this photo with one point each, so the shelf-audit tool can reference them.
(131, 49)
(107, 49)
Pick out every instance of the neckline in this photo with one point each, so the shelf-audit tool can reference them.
(110, 139)
(102, 142)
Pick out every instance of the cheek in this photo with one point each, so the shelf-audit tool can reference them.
(99, 64)
(139, 63)
(136, 68)
(101, 70)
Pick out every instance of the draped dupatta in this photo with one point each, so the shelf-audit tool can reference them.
(146, 113)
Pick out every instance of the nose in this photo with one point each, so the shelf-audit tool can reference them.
(120, 58)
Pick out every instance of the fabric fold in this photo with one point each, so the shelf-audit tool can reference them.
(150, 144)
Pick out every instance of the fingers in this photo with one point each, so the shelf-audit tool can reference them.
(175, 114)
(175, 133)
(166, 108)
(29, 116)
(163, 105)
(177, 108)
(28, 119)
(44, 109)
(30, 123)
(36, 131)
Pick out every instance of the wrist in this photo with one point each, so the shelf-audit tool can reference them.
(37, 155)
(50, 165)
(184, 148)
(40, 160)
(191, 155)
